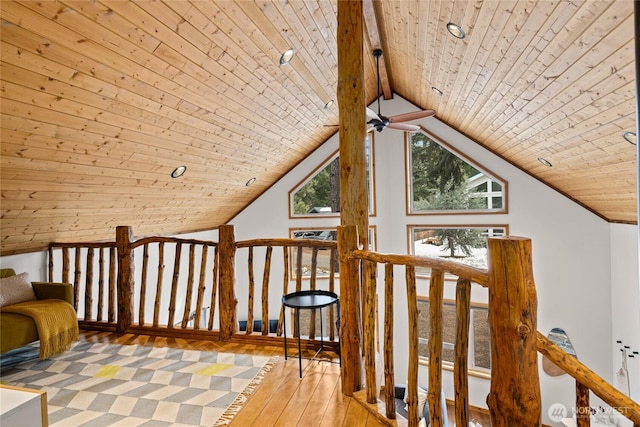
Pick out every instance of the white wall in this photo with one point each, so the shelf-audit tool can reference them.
(586, 270)
(625, 309)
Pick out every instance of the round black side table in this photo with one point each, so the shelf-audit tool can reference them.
(307, 300)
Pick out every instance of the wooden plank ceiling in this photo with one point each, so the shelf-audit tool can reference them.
(102, 99)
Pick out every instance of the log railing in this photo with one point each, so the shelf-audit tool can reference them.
(145, 302)
(300, 267)
(514, 397)
(183, 282)
(465, 275)
(109, 300)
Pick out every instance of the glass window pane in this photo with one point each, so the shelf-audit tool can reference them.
(465, 245)
(482, 343)
(443, 181)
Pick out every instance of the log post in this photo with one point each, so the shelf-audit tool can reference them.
(124, 237)
(354, 202)
(353, 185)
(514, 397)
(350, 316)
(227, 295)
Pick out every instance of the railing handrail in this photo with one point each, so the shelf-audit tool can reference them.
(585, 376)
(95, 245)
(287, 242)
(160, 239)
(474, 274)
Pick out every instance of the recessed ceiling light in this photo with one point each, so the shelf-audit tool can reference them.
(437, 91)
(328, 105)
(545, 162)
(456, 30)
(251, 181)
(287, 56)
(630, 137)
(179, 171)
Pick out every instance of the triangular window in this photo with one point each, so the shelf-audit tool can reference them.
(442, 180)
(319, 193)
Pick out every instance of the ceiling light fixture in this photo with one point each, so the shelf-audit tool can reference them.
(545, 162)
(328, 105)
(287, 56)
(456, 30)
(630, 137)
(437, 91)
(251, 181)
(179, 171)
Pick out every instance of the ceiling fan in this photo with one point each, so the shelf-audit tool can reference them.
(380, 122)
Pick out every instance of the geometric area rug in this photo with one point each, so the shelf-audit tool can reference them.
(102, 384)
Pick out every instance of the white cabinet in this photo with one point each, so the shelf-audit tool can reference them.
(22, 407)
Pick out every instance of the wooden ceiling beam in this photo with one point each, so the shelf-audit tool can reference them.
(372, 25)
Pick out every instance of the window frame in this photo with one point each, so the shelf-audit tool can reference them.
(487, 172)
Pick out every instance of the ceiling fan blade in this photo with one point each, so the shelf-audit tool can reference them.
(407, 117)
(403, 126)
(371, 115)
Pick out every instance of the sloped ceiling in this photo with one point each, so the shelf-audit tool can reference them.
(101, 100)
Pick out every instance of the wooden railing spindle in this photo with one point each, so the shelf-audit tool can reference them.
(156, 310)
(76, 279)
(583, 411)
(434, 398)
(174, 285)
(50, 267)
(143, 284)
(113, 259)
(389, 375)
(65, 266)
(460, 366)
(251, 292)
(369, 324)
(100, 284)
(412, 370)
(189, 295)
(214, 289)
(265, 290)
(201, 287)
(285, 286)
(88, 288)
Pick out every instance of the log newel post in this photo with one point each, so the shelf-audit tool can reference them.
(124, 237)
(514, 397)
(227, 297)
(350, 316)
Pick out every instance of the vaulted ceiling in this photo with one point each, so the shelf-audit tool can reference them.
(102, 99)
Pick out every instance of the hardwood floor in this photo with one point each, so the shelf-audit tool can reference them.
(283, 399)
